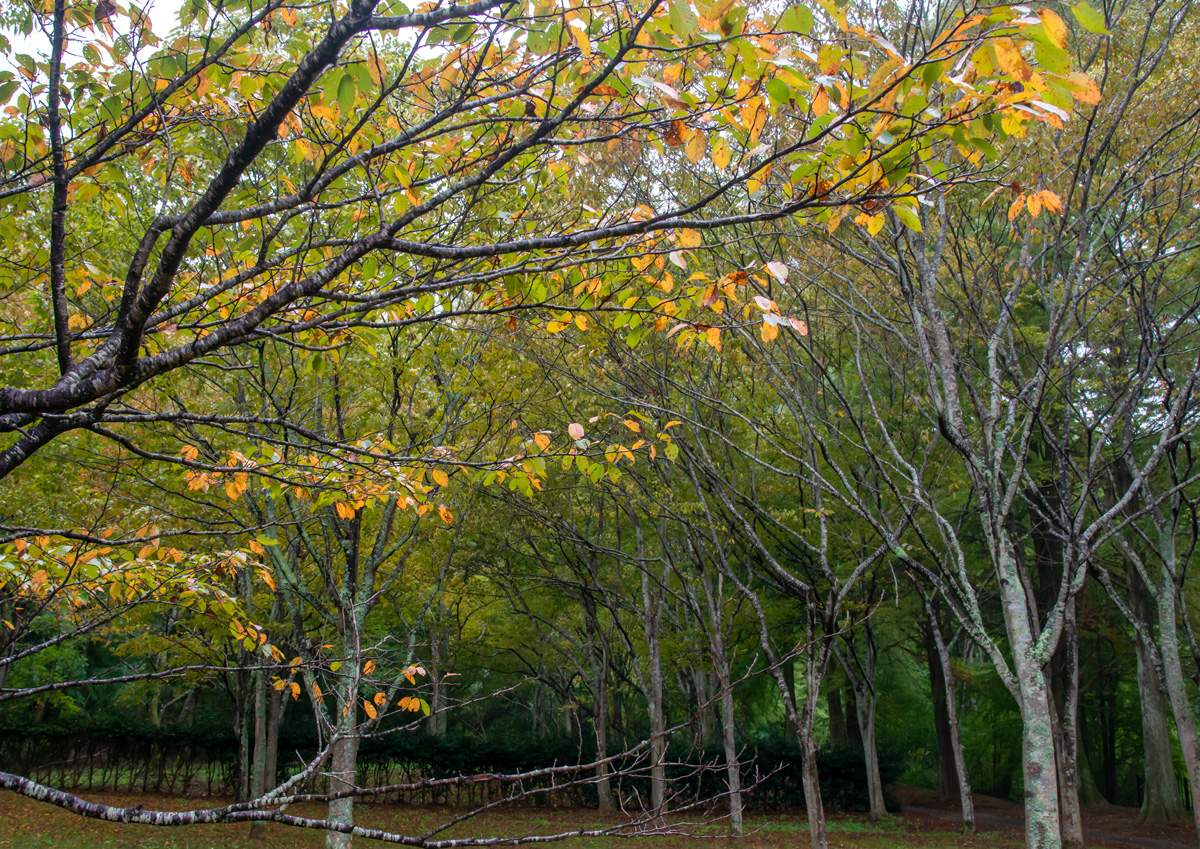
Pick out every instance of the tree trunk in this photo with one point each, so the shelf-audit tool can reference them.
(789, 677)
(865, 708)
(1161, 802)
(258, 780)
(1037, 721)
(814, 671)
(1185, 723)
(733, 766)
(941, 658)
(654, 696)
(600, 721)
(243, 726)
(1066, 734)
(947, 772)
(838, 734)
(343, 769)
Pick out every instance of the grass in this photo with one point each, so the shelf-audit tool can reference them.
(30, 825)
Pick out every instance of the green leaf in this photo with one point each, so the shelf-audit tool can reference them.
(907, 217)
(1053, 59)
(780, 91)
(684, 22)
(798, 18)
(347, 88)
(1089, 18)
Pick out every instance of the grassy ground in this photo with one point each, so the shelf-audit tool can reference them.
(28, 825)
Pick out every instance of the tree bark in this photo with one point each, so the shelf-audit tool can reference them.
(658, 742)
(947, 772)
(344, 767)
(258, 780)
(733, 766)
(1185, 723)
(1161, 802)
(1066, 734)
(933, 631)
(1037, 754)
(600, 722)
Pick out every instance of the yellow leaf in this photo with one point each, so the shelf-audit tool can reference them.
(769, 330)
(439, 477)
(632, 425)
(820, 104)
(368, 667)
(720, 155)
(1015, 209)
(581, 321)
(316, 691)
(1051, 201)
(696, 147)
(581, 40)
(380, 699)
(189, 452)
(1056, 30)
(370, 709)
(1034, 202)
(446, 514)
(295, 690)
(543, 441)
(713, 337)
(689, 238)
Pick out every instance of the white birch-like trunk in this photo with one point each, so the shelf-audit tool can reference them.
(1039, 767)
(1185, 723)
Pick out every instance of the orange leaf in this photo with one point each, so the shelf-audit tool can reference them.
(1056, 30)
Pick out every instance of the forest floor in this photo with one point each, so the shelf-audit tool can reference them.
(928, 821)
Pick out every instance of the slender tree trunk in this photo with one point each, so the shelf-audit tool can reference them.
(703, 694)
(941, 657)
(344, 768)
(1067, 739)
(838, 733)
(1161, 802)
(278, 705)
(1037, 721)
(860, 672)
(243, 726)
(865, 708)
(813, 804)
(436, 724)
(654, 705)
(600, 721)
(258, 782)
(733, 766)
(789, 677)
(1185, 723)
(947, 772)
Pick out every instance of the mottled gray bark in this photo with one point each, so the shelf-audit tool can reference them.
(258, 781)
(1066, 734)
(1039, 767)
(941, 657)
(343, 767)
(1162, 801)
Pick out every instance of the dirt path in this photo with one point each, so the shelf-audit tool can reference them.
(1108, 825)
(1092, 835)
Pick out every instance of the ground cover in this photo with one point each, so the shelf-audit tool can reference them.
(927, 822)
